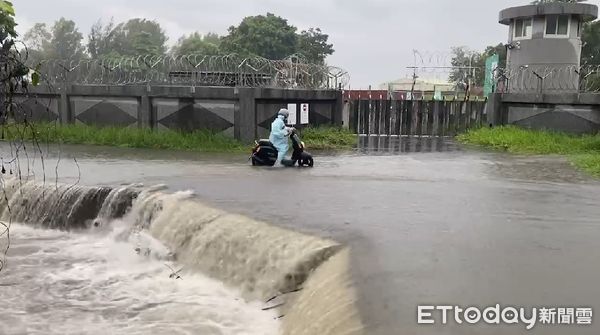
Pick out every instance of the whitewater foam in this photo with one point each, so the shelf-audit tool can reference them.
(121, 227)
(69, 283)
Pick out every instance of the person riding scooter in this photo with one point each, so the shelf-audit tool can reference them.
(279, 135)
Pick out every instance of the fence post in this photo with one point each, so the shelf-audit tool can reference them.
(435, 129)
(65, 105)
(353, 115)
(368, 118)
(387, 120)
(430, 117)
(377, 117)
(406, 115)
(399, 106)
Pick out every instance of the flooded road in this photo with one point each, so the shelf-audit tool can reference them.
(442, 226)
(62, 283)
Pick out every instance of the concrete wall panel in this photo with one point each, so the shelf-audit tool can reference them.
(105, 111)
(243, 113)
(38, 108)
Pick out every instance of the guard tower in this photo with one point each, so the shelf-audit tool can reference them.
(544, 46)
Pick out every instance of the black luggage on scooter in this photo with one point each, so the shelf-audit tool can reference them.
(264, 153)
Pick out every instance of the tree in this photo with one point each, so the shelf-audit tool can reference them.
(7, 20)
(313, 45)
(132, 38)
(37, 40)
(139, 37)
(38, 37)
(267, 36)
(63, 41)
(590, 53)
(66, 41)
(101, 40)
(464, 63)
(471, 65)
(499, 50)
(198, 45)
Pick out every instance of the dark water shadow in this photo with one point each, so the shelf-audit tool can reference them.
(375, 145)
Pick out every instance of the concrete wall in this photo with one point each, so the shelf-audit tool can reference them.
(573, 113)
(243, 113)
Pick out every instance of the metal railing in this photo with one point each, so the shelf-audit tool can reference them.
(195, 70)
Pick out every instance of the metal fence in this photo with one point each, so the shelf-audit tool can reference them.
(415, 117)
(548, 79)
(196, 70)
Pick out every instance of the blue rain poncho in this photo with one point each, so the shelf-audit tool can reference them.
(279, 137)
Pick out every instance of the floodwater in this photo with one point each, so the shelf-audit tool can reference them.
(446, 225)
(61, 283)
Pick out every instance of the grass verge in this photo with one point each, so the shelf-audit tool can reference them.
(204, 141)
(201, 140)
(583, 151)
(328, 138)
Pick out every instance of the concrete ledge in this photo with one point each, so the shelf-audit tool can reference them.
(328, 303)
(295, 95)
(588, 12)
(567, 112)
(155, 91)
(190, 92)
(563, 98)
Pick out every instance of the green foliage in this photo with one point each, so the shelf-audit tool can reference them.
(312, 44)
(584, 150)
(267, 36)
(101, 40)
(132, 38)
(38, 37)
(588, 162)
(196, 44)
(463, 59)
(7, 20)
(202, 140)
(13, 71)
(62, 41)
(590, 37)
(316, 138)
(139, 37)
(320, 138)
(35, 78)
(271, 37)
(66, 41)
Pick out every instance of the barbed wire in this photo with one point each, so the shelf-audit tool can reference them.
(428, 58)
(196, 70)
(549, 79)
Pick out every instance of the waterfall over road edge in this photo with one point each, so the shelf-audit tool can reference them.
(260, 259)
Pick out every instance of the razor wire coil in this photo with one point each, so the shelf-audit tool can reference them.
(195, 70)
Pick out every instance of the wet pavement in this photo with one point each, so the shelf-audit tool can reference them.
(445, 225)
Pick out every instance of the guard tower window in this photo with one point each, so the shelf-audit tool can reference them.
(523, 28)
(557, 25)
(579, 28)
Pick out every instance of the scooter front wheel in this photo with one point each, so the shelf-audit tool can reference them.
(306, 161)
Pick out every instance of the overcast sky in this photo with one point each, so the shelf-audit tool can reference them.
(373, 39)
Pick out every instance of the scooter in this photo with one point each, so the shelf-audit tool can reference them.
(264, 153)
